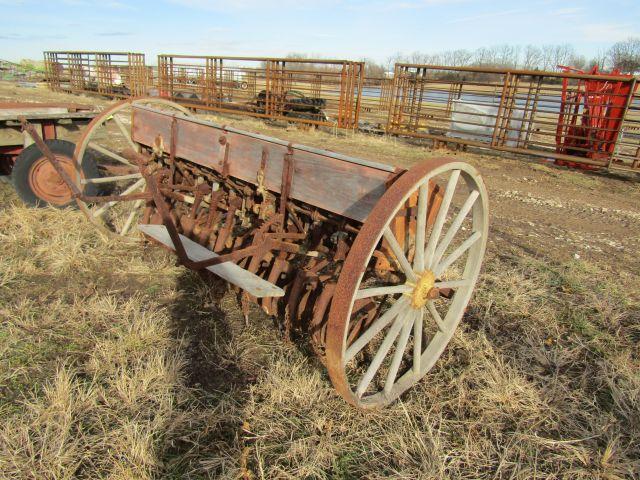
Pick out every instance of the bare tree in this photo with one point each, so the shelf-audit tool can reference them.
(578, 61)
(372, 69)
(416, 57)
(397, 57)
(531, 57)
(625, 55)
(484, 56)
(297, 55)
(434, 59)
(562, 54)
(599, 60)
(460, 58)
(506, 55)
(554, 55)
(547, 57)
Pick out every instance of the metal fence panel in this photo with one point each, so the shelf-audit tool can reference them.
(575, 118)
(114, 74)
(322, 92)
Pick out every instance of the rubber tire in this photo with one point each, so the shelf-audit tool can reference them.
(26, 159)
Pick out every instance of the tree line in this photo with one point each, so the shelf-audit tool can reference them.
(624, 56)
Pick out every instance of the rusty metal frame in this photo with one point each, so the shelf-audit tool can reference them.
(264, 87)
(113, 74)
(374, 104)
(336, 93)
(526, 117)
(628, 144)
(270, 219)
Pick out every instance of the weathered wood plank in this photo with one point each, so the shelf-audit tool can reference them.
(321, 178)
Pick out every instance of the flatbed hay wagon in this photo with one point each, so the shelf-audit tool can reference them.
(34, 178)
(373, 264)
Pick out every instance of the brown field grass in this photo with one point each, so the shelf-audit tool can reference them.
(115, 363)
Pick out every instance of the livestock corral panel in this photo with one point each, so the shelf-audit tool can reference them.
(375, 103)
(320, 92)
(571, 117)
(114, 74)
(628, 146)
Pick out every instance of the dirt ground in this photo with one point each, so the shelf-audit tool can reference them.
(540, 382)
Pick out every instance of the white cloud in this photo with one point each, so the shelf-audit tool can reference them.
(222, 5)
(118, 5)
(405, 5)
(485, 16)
(607, 32)
(567, 12)
(368, 6)
(115, 5)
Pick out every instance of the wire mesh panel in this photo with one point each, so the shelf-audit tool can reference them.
(571, 117)
(114, 74)
(323, 92)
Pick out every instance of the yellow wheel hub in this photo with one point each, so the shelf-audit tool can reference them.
(422, 290)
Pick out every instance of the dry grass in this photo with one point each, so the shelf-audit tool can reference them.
(117, 364)
(380, 148)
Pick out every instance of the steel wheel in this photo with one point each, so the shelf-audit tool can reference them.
(47, 185)
(372, 359)
(107, 136)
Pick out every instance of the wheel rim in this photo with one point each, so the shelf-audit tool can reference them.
(107, 136)
(45, 182)
(371, 361)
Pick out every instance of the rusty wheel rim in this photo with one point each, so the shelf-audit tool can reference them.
(47, 185)
(403, 352)
(116, 219)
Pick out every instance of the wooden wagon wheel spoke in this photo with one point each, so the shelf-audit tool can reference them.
(455, 226)
(110, 154)
(105, 139)
(452, 284)
(403, 339)
(377, 326)
(442, 214)
(378, 291)
(131, 217)
(386, 355)
(380, 355)
(421, 227)
(101, 210)
(115, 178)
(431, 308)
(399, 254)
(417, 341)
(457, 253)
(125, 133)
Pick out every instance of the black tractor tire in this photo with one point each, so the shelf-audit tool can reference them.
(27, 159)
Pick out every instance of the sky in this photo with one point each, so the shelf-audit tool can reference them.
(328, 29)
